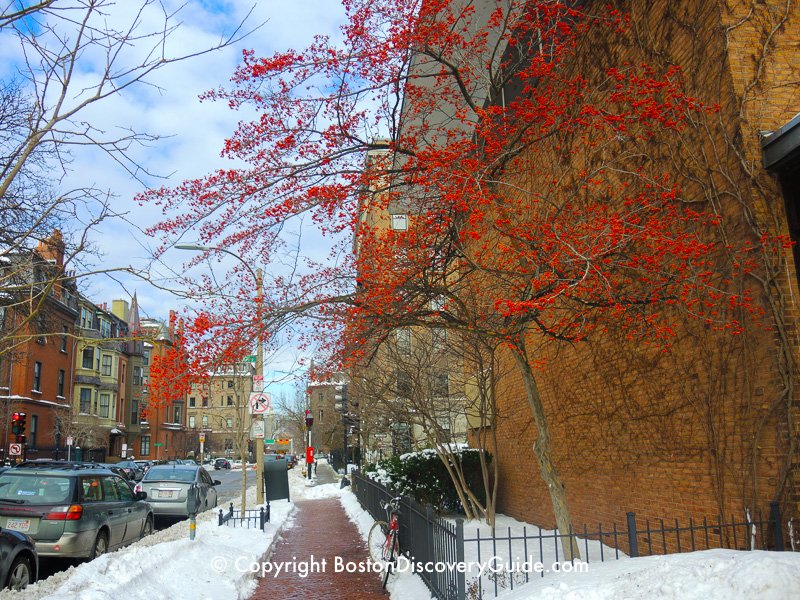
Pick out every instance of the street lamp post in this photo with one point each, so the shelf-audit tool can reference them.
(258, 277)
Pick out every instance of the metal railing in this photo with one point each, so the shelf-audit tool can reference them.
(518, 554)
(254, 518)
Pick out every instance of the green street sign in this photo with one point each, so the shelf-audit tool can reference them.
(269, 441)
(251, 358)
(158, 444)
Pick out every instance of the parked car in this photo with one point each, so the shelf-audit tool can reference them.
(188, 461)
(74, 510)
(179, 490)
(145, 465)
(134, 470)
(222, 463)
(19, 562)
(117, 470)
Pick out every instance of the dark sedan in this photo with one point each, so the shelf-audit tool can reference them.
(19, 563)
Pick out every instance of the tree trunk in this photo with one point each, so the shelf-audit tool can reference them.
(542, 449)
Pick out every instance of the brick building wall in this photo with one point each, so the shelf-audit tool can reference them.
(703, 429)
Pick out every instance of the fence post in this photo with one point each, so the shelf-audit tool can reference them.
(777, 529)
(633, 542)
(461, 576)
(261, 518)
(219, 524)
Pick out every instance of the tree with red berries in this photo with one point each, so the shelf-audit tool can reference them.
(535, 182)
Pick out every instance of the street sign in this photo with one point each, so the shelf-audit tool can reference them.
(259, 403)
(257, 430)
(15, 449)
(202, 437)
(269, 441)
(158, 444)
(70, 440)
(251, 358)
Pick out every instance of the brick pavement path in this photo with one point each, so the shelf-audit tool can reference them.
(323, 530)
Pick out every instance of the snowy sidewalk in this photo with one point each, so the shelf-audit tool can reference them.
(322, 535)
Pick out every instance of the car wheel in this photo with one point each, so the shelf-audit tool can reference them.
(100, 545)
(20, 575)
(148, 527)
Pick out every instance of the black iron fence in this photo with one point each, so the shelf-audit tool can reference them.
(254, 518)
(494, 561)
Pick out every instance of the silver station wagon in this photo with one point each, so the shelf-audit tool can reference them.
(179, 490)
(73, 510)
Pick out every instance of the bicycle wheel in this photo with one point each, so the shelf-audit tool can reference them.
(391, 559)
(377, 543)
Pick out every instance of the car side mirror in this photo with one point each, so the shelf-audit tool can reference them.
(141, 495)
(217, 482)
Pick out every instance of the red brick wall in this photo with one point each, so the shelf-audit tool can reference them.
(700, 430)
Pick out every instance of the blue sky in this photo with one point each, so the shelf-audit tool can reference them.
(193, 131)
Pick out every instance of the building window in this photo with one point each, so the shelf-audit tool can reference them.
(440, 385)
(124, 370)
(191, 421)
(105, 404)
(205, 402)
(404, 384)
(60, 390)
(105, 328)
(32, 429)
(144, 448)
(64, 336)
(137, 375)
(146, 358)
(88, 358)
(37, 376)
(86, 318)
(86, 401)
(134, 412)
(230, 400)
(228, 444)
(321, 413)
(439, 339)
(230, 384)
(230, 423)
(404, 342)
(191, 401)
(205, 420)
(177, 412)
(106, 369)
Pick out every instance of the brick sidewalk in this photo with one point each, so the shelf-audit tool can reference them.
(323, 530)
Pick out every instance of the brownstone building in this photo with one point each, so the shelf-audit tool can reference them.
(38, 311)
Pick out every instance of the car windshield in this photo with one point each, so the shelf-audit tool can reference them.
(170, 474)
(126, 465)
(34, 489)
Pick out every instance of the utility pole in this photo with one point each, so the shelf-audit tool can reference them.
(259, 443)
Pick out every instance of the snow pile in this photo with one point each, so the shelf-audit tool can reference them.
(705, 575)
(219, 563)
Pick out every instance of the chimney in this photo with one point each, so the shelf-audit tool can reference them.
(52, 248)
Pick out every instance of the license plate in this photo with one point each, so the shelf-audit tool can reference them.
(164, 494)
(18, 524)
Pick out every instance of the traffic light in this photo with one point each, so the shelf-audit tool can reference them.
(22, 423)
(309, 419)
(15, 423)
(341, 398)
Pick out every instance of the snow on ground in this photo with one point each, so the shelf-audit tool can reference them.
(219, 565)
(480, 550)
(704, 575)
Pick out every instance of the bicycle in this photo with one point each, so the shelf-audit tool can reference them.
(383, 542)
